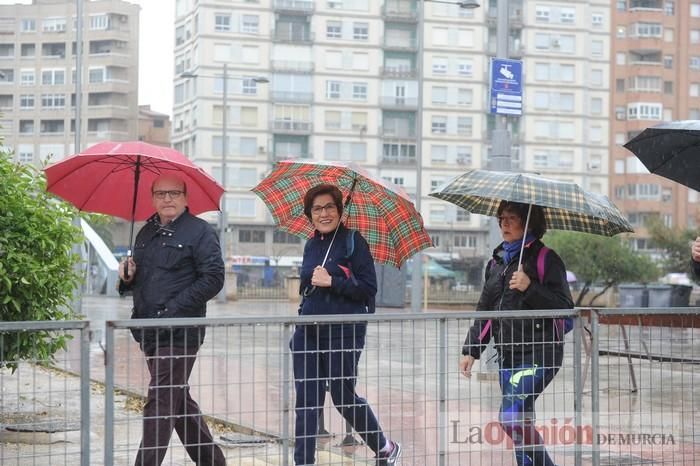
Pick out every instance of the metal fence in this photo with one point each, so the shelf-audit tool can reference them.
(625, 392)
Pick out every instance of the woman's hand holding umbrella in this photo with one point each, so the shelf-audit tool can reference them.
(519, 281)
(321, 277)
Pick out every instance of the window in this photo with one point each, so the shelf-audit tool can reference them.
(333, 119)
(360, 61)
(439, 95)
(54, 25)
(567, 15)
(621, 5)
(250, 24)
(464, 155)
(440, 36)
(695, 10)
(438, 154)
(53, 77)
(28, 25)
(249, 116)
(596, 77)
(99, 22)
(620, 58)
(439, 65)
(646, 29)
(249, 86)
(695, 63)
(26, 101)
(596, 105)
(25, 153)
(463, 216)
(28, 50)
(695, 36)
(669, 8)
(541, 13)
(597, 48)
(53, 100)
(26, 126)
(240, 207)
(465, 38)
(439, 124)
(250, 54)
(668, 61)
(334, 30)
(694, 90)
(360, 31)
(26, 78)
(668, 87)
(222, 22)
(620, 85)
(97, 75)
(644, 111)
(465, 97)
(333, 89)
(621, 32)
(282, 237)
(596, 19)
(52, 126)
(251, 236)
(334, 59)
(464, 126)
(359, 91)
(465, 68)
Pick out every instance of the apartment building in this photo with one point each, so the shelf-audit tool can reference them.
(38, 74)
(344, 79)
(154, 127)
(656, 77)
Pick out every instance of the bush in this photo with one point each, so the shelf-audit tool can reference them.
(37, 275)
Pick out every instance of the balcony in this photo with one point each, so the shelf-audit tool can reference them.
(292, 96)
(291, 126)
(396, 132)
(293, 66)
(409, 44)
(398, 102)
(398, 72)
(296, 36)
(398, 161)
(398, 10)
(655, 6)
(287, 156)
(304, 7)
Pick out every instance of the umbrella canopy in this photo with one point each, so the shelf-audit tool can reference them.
(381, 211)
(566, 205)
(115, 178)
(671, 150)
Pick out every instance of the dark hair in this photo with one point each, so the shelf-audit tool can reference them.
(537, 225)
(320, 190)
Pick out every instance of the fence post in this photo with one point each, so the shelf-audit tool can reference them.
(109, 394)
(286, 399)
(84, 396)
(595, 384)
(578, 389)
(442, 391)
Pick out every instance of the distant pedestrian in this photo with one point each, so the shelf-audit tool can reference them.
(530, 350)
(695, 254)
(345, 284)
(176, 268)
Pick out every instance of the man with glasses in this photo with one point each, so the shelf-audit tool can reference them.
(176, 268)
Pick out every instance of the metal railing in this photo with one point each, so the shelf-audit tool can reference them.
(624, 394)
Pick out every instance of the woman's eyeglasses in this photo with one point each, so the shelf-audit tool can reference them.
(509, 219)
(329, 208)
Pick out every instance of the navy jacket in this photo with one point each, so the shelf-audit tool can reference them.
(178, 269)
(521, 341)
(354, 280)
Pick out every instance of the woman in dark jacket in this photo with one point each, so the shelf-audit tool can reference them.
(530, 350)
(337, 277)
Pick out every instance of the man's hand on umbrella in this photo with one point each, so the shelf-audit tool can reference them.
(519, 281)
(132, 269)
(696, 249)
(321, 277)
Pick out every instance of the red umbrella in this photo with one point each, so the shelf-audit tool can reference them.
(115, 178)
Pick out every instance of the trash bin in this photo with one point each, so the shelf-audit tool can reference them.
(659, 295)
(680, 295)
(633, 295)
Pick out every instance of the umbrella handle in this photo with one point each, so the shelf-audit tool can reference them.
(126, 265)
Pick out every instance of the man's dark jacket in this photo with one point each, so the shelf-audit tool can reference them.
(521, 342)
(178, 269)
(353, 279)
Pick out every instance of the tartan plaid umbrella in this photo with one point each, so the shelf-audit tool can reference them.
(566, 205)
(381, 211)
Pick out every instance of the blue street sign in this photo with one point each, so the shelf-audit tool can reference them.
(506, 86)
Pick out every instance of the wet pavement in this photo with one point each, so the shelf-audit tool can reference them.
(240, 379)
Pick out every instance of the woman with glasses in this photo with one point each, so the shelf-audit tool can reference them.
(337, 277)
(530, 351)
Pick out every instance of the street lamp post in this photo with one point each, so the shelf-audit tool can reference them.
(417, 294)
(223, 214)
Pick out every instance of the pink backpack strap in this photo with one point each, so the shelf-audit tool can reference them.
(541, 257)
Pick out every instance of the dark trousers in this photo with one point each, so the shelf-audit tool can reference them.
(169, 406)
(520, 387)
(317, 359)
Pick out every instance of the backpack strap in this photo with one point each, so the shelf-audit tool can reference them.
(541, 257)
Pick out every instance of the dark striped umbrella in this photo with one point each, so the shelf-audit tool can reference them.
(566, 205)
(380, 210)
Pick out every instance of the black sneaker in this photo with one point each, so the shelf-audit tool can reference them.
(388, 458)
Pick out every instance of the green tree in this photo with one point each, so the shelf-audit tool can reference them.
(599, 259)
(675, 242)
(37, 275)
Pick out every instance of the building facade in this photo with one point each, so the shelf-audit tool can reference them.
(656, 77)
(344, 85)
(154, 127)
(37, 76)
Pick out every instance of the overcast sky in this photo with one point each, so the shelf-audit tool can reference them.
(156, 44)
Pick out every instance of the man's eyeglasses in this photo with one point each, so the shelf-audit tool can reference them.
(509, 219)
(317, 209)
(174, 194)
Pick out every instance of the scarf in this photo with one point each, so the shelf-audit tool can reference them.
(512, 249)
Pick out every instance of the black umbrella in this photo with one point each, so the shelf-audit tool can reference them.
(671, 150)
